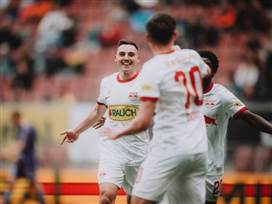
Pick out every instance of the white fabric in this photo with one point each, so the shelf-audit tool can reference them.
(171, 115)
(213, 187)
(179, 132)
(123, 104)
(219, 106)
(118, 173)
(181, 176)
(246, 75)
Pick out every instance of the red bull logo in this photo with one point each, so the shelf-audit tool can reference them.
(209, 121)
(133, 96)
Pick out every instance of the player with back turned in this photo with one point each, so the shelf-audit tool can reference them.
(219, 106)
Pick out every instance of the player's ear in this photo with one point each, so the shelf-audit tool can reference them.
(147, 37)
(138, 58)
(175, 34)
(115, 58)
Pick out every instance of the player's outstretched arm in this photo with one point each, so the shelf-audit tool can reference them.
(256, 121)
(72, 135)
(99, 123)
(141, 123)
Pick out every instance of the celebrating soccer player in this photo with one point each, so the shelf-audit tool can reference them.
(171, 83)
(119, 159)
(219, 106)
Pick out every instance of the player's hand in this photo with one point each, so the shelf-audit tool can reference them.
(108, 134)
(99, 123)
(69, 136)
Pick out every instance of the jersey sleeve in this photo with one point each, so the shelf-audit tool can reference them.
(232, 105)
(101, 100)
(149, 86)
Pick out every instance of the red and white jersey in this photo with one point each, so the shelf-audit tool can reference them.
(174, 80)
(121, 98)
(219, 106)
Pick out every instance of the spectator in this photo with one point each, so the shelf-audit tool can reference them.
(24, 74)
(110, 33)
(250, 17)
(246, 76)
(50, 28)
(13, 8)
(54, 62)
(7, 36)
(225, 18)
(268, 69)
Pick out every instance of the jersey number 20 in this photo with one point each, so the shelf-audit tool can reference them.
(190, 86)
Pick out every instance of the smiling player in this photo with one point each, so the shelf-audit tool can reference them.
(119, 159)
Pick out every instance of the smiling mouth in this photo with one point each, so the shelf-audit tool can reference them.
(126, 62)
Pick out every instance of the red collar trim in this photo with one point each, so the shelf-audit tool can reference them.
(209, 88)
(127, 80)
(167, 52)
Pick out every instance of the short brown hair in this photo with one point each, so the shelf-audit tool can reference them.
(161, 28)
(127, 42)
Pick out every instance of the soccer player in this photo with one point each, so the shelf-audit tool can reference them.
(219, 106)
(120, 159)
(171, 83)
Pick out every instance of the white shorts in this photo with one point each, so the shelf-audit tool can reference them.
(213, 187)
(118, 174)
(160, 171)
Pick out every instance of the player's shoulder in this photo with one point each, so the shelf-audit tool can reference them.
(152, 64)
(189, 52)
(222, 91)
(109, 78)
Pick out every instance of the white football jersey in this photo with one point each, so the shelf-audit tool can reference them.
(175, 80)
(121, 98)
(219, 106)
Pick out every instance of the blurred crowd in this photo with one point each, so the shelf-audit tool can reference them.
(49, 49)
(54, 50)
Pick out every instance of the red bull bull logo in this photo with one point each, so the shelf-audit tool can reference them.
(209, 121)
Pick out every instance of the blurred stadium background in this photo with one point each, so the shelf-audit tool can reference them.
(53, 54)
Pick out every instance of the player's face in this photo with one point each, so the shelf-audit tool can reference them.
(207, 79)
(127, 57)
(208, 63)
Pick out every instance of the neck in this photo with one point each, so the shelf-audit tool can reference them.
(207, 83)
(164, 49)
(125, 75)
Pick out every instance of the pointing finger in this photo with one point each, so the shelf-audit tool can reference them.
(63, 133)
(63, 140)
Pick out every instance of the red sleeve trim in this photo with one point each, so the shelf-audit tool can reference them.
(102, 104)
(152, 99)
(238, 113)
